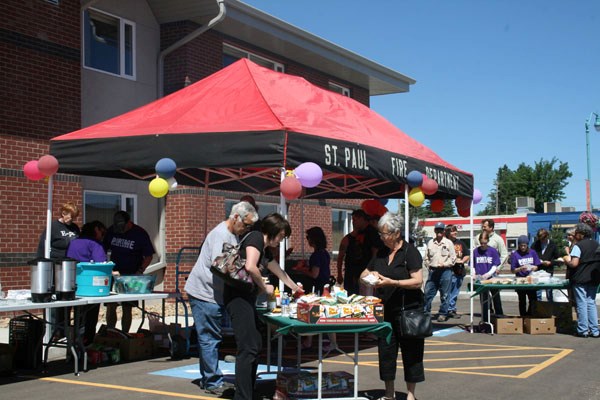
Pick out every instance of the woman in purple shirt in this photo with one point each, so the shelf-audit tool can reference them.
(485, 261)
(522, 263)
(86, 248)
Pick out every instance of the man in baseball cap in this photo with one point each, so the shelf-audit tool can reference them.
(439, 258)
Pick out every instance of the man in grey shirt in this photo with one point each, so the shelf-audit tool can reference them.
(205, 293)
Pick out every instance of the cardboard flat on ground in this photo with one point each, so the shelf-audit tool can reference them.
(508, 325)
(539, 326)
(131, 349)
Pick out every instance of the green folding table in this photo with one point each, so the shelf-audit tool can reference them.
(287, 325)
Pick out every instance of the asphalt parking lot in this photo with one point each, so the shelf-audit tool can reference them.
(458, 365)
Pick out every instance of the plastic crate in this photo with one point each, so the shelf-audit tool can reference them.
(135, 284)
(25, 336)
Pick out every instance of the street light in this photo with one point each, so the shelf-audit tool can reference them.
(588, 182)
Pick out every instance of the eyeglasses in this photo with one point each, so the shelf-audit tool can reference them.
(382, 234)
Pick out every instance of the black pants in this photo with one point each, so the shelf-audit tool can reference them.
(249, 344)
(496, 302)
(412, 357)
(523, 296)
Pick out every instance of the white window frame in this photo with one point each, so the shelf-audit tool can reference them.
(124, 198)
(347, 226)
(337, 88)
(122, 23)
(278, 67)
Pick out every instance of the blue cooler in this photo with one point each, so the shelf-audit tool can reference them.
(94, 279)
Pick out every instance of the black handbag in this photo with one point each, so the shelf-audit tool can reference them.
(413, 323)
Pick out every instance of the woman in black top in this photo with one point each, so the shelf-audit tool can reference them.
(398, 269)
(241, 305)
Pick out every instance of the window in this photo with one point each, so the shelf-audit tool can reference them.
(344, 91)
(109, 43)
(341, 225)
(231, 54)
(101, 206)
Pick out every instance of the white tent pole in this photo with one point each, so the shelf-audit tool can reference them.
(48, 218)
(284, 212)
(471, 263)
(406, 216)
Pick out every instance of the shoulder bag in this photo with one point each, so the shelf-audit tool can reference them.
(414, 323)
(231, 267)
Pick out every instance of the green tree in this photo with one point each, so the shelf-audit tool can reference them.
(544, 182)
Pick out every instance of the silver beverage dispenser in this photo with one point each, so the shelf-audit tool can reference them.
(64, 279)
(41, 280)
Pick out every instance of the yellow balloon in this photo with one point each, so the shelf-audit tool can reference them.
(416, 197)
(158, 187)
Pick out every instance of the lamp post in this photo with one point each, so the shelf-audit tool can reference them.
(588, 182)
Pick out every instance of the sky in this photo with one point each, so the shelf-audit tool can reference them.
(498, 82)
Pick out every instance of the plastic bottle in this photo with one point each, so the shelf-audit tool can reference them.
(277, 296)
(285, 305)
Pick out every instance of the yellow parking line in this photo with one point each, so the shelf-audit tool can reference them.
(488, 358)
(546, 363)
(127, 388)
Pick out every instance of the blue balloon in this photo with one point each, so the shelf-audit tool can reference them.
(414, 179)
(165, 168)
(383, 201)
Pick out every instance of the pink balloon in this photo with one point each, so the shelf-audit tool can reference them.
(291, 188)
(48, 165)
(429, 186)
(31, 171)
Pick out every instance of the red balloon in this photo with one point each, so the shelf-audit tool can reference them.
(429, 186)
(462, 202)
(371, 207)
(291, 188)
(31, 171)
(436, 205)
(48, 165)
(465, 212)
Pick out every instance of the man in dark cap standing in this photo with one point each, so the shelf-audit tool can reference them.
(131, 251)
(439, 258)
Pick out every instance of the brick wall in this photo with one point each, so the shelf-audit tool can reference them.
(40, 98)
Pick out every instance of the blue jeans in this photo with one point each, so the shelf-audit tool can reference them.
(457, 282)
(587, 313)
(439, 279)
(207, 319)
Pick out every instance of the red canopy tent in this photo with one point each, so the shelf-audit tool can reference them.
(236, 130)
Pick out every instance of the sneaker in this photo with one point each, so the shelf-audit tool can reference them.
(581, 335)
(229, 358)
(442, 318)
(225, 389)
(595, 336)
(451, 314)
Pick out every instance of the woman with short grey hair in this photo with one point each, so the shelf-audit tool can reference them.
(398, 273)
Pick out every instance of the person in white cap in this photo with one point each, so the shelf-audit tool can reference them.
(439, 258)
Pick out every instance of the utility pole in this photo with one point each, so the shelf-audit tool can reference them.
(497, 195)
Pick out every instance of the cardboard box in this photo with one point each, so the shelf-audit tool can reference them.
(131, 349)
(304, 385)
(508, 325)
(539, 326)
(320, 314)
(564, 313)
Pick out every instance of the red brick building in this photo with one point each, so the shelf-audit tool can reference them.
(68, 64)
